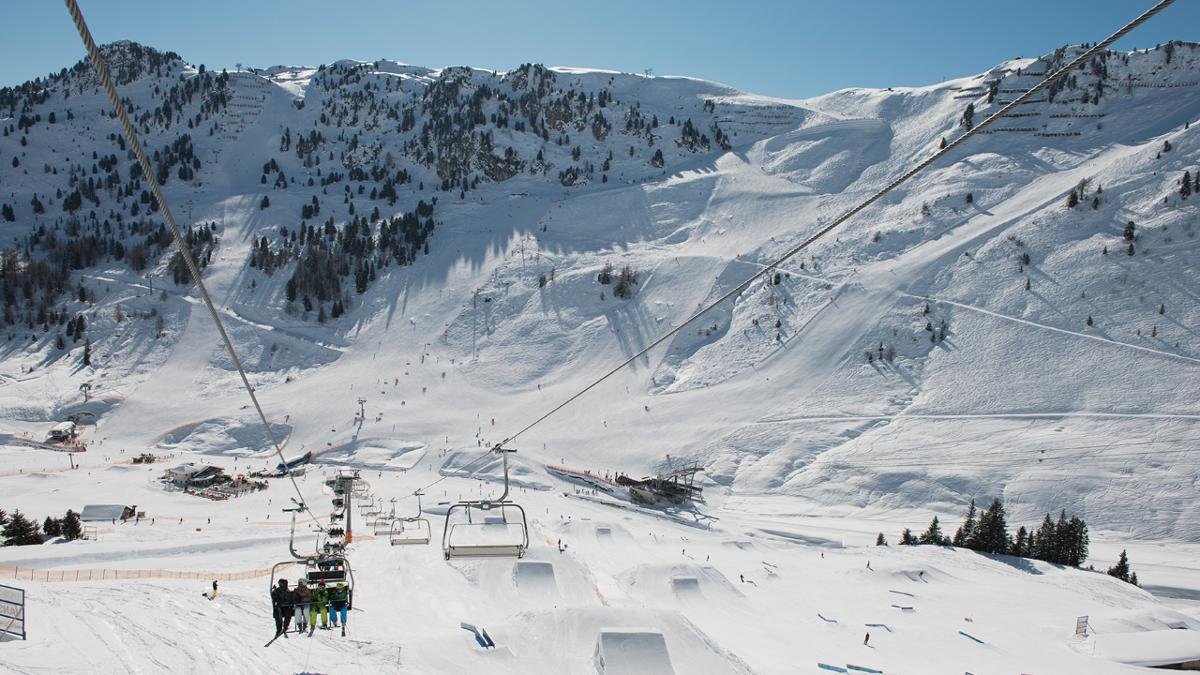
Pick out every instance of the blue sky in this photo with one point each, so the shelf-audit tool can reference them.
(788, 49)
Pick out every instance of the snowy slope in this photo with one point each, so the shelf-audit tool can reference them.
(809, 447)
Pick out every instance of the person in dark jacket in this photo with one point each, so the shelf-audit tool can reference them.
(282, 600)
(303, 599)
(339, 602)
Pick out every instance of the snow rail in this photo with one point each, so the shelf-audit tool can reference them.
(55, 576)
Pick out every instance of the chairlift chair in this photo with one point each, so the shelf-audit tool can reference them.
(487, 528)
(413, 530)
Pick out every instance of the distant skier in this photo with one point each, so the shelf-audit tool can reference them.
(339, 603)
(867, 640)
(281, 606)
(319, 607)
(303, 603)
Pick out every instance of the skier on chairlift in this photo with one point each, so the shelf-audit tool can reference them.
(339, 600)
(303, 603)
(281, 606)
(319, 607)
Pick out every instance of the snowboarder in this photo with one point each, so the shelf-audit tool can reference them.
(339, 601)
(281, 605)
(303, 602)
(319, 607)
(213, 594)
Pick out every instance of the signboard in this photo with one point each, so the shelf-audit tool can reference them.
(1081, 625)
(12, 611)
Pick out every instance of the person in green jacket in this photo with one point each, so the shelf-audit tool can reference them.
(319, 607)
(339, 604)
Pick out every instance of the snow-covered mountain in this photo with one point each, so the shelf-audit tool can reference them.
(455, 251)
(973, 336)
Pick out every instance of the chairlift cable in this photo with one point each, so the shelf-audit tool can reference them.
(148, 173)
(736, 290)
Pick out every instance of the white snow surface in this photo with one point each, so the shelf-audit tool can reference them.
(809, 449)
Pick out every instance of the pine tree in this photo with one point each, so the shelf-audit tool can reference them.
(21, 531)
(1020, 545)
(87, 352)
(1061, 539)
(1046, 543)
(1076, 548)
(881, 540)
(991, 534)
(964, 533)
(1185, 190)
(933, 535)
(266, 202)
(907, 538)
(1121, 569)
(1072, 200)
(52, 527)
(72, 528)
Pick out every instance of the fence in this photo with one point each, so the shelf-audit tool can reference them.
(12, 611)
(53, 576)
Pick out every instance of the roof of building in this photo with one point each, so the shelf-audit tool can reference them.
(102, 512)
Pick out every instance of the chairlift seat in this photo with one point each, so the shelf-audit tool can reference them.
(497, 536)
(410, 531)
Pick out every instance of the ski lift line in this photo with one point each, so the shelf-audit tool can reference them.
(736, 290)
(148, 173)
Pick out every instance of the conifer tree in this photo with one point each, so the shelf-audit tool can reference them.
(1020, 546)
(881, 540)
(1121, 569)
(51, 527)
(21, 531)
(991, 534)
(933, 535)
(1046, 542)
(907, 538)
(1078, 551)
(72, 528)
(963, 535)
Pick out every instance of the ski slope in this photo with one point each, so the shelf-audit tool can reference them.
(1076, 393)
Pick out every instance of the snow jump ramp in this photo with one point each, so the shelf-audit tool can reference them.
(632, 652)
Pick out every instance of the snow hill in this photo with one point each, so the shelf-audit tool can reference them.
(431, 241)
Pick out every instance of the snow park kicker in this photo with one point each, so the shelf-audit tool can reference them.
(717, 328)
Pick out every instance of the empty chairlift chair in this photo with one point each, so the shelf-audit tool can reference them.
(487, 528)
(412, 530)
